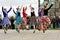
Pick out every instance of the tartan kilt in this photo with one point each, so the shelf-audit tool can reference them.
(40, 20)
(32, 20)
(47, 20)
(24, 21)
(44, 21)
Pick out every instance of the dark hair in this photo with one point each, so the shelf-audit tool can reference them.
(46, 3)
(32, 8)
(44, 6)
(4, 8)
(17, 8)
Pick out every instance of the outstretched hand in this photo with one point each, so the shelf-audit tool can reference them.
(13, 9)
(30, 5)
(52, 3)
(10, 6)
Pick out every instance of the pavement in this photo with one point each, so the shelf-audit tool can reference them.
(29, 35)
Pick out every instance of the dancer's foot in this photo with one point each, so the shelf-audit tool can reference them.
(18, 31)
(43, 31)
(33, 31)
(5, 30)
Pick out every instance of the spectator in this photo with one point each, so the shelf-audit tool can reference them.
(57, 21)
(12, 22)
(0, 22)
(54, 21)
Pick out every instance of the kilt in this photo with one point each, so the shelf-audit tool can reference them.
(33, 20)
(25, 21)
(18, 20)
(44, 22)
(40, 20)
(6, 21)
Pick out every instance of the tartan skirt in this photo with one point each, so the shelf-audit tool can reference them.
(6, 21)
(45, 21)
(24, 21)
(33, 20)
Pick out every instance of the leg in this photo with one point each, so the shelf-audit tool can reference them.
(34, 28)
(44, 29)
(54, 25)
(5, 28)
(18, 27)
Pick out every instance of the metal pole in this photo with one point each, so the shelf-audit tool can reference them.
(38, 4)
(55, 7)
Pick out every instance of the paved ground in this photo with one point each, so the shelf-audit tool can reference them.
(28, 35)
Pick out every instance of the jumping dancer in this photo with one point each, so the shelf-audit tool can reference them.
(46, 20)
(24, 16)
(6, 21)
(40, 15)
(18, 18)
(33, 18)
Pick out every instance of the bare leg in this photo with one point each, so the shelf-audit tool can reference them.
(44, 29)
(5, 28)
(34, 28)
(18, 27)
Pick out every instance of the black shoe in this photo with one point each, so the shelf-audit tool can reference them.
(38, 29)
(5, 31)
(18, 31)
(43, 31)
(33, 31)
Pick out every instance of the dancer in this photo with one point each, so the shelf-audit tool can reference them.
(33, 18)
(40, 15)
(46, 20)
(24, 16)
(6, 21)
(18, 18)
(1, 21)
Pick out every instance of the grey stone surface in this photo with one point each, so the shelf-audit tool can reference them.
(28, 35)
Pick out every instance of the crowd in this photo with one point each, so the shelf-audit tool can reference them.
(55, 21)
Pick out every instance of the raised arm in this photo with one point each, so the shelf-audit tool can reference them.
(50, 6)
(42, 10)
(30, 6)
(26, 8)
(20, 7)
(14, 11)
(9, 10)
